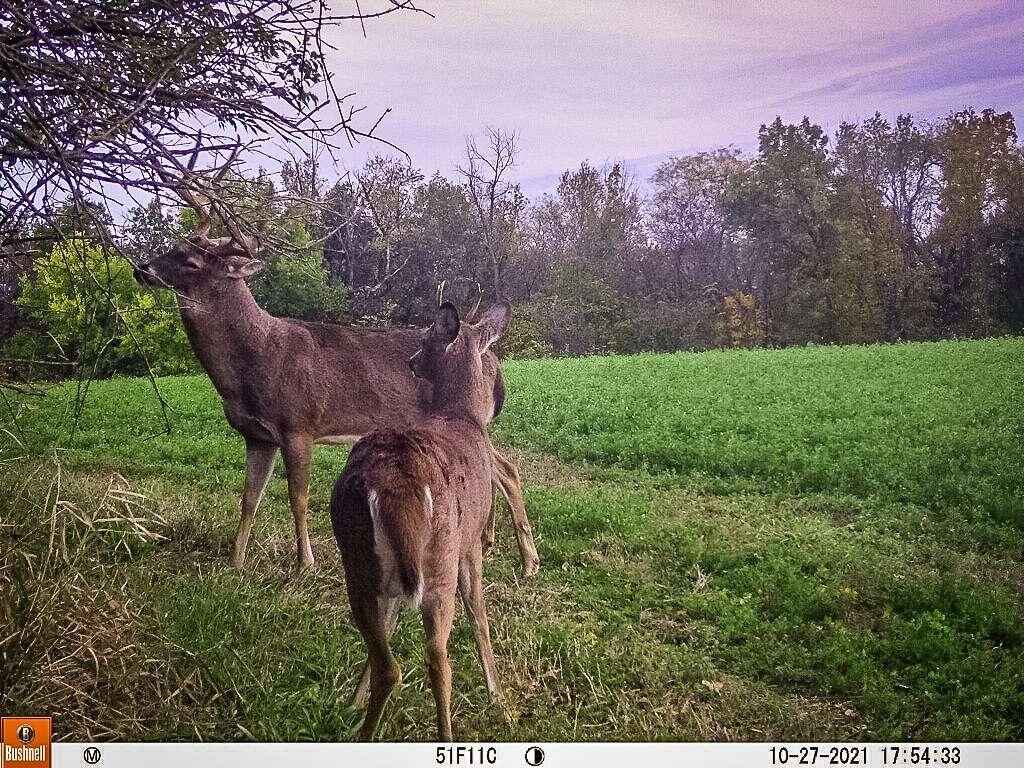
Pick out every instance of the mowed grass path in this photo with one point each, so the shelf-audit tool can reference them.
(819, 543)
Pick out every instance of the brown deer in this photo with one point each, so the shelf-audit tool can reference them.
(287, 384)
(410, 508)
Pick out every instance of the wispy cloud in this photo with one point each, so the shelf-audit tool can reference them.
(609, 80)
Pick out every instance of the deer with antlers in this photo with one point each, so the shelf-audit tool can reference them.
(287, 384)
(411, 507)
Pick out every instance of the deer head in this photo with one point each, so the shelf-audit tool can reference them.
(451, 359)
(198, 261)
(201, 260)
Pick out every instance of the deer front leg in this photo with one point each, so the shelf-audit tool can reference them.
(506, 477)
(259, 463)
(297, 452)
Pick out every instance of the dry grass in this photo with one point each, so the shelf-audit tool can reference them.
(72, 636)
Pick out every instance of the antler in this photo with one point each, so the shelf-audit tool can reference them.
(479, 297)
(199, 193)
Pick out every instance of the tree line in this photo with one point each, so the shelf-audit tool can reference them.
(885, 231)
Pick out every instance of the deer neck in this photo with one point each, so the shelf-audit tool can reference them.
(225, 325)
(458, 399)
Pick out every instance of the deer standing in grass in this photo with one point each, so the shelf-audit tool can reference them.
(410, 508)
(287, 384)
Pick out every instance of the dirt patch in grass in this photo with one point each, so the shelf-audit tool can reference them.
(544, 470)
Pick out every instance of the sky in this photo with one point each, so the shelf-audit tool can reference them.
(642, 81)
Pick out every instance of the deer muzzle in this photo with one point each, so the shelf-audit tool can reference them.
(143, 275)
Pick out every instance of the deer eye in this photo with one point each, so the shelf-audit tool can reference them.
(192, 264)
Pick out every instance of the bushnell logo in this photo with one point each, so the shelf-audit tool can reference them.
(26, 742)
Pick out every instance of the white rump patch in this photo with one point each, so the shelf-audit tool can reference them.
(430, 503)
(416, 599)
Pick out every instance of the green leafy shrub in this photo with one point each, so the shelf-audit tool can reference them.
(296, 283)
(577, 312)
(83, 305)
(524, 339)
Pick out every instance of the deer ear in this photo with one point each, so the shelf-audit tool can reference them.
(447, 323)
(493, 324)
(242, 268)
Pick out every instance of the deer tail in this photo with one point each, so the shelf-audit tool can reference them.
(401, 523)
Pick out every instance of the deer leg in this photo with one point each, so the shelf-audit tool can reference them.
(506, 477)
(437, 624)
(297, 452)
(488, 537)
(471, 587)
(384, 671)
(259, 463)
(391, 610)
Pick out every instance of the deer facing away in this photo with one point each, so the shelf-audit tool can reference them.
(288, 384)
(409, 510)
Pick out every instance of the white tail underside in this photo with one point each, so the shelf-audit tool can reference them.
(391, 583)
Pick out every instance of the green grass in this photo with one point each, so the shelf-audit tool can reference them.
(820, 543)
(940, 425)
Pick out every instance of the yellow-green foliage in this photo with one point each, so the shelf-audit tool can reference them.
(744, 321)
(524, 339)
(85, 305)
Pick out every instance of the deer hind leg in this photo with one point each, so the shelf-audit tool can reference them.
(297, 452)
(259, 463)
(391, 610)
(437, 624)
(488, 537)
(384, 671)
(506, 477)
(471, 588)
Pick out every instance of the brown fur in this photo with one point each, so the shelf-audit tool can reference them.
(431, 547)
(287, 384)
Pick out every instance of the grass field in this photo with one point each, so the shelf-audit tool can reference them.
(820, 543)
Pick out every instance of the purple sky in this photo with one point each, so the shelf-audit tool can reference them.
(639, 81)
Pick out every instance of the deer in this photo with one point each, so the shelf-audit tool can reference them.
(288, 384)
(410, 509)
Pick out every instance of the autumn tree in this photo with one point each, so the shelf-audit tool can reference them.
(593, 236)
(387, 187)
(1006, 239)
(498, 203)
(688, 224)
(889, 189)
(783, 202)
(978, 151)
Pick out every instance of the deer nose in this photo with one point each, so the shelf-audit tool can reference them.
(141, 273)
